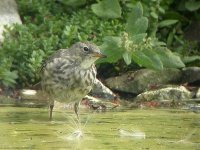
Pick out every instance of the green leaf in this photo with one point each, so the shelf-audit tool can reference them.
(138, 38)
(127, 58)
(8, 78)
(170, 39)
(155, 59)
(169, 59)
(73, 3)
(176, 16)
(140, 26)
(148, 59)
(192, 5)
(165, 23)
(189, 59)
(139, 5)
(137, 12)
(161, 9)
(111, 48)
(154, 15)
(107, 9)
(136, 23)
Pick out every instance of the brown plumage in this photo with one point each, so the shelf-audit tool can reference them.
(69, 74)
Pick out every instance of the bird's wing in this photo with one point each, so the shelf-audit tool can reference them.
(55, 55)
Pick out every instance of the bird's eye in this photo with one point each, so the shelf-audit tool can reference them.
(86, 49)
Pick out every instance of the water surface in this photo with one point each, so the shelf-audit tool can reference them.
(164, 129)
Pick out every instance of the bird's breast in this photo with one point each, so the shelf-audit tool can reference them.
(85, 77)
(72, 83)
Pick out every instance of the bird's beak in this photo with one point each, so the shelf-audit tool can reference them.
(100, 55)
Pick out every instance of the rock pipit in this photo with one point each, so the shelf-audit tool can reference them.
(69, 74)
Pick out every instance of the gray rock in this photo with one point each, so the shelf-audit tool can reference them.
(35, 98)
(101, 91)
(8, 15)
(198, 93)
(191, 74)
(98, 104)
(170, 93)
(142, 80)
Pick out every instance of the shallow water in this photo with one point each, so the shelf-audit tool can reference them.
(162, 129)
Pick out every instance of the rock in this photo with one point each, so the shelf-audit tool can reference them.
(198, 93)
(193, 107)
(170, 93)
(8, 15)
(142, 80)
(36, 98)
(101, 91)
(89, 102)
(99, 104)
(191, 74)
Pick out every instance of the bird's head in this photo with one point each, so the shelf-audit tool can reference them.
(86, 53)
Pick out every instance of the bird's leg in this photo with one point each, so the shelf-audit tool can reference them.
(76, 109)
(51, 110)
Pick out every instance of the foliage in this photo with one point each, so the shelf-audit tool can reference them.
(133, 44)
(140, 33)
(173, 24)
(45, 30)
(192, 5)
(107, 9)
(7, 77)
(27, 58)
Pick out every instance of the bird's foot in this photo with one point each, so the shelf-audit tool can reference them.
(76, 110)
(50, 112)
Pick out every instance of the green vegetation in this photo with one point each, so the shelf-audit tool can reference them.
(148, 33)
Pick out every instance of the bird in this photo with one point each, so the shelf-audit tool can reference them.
(69, 74)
